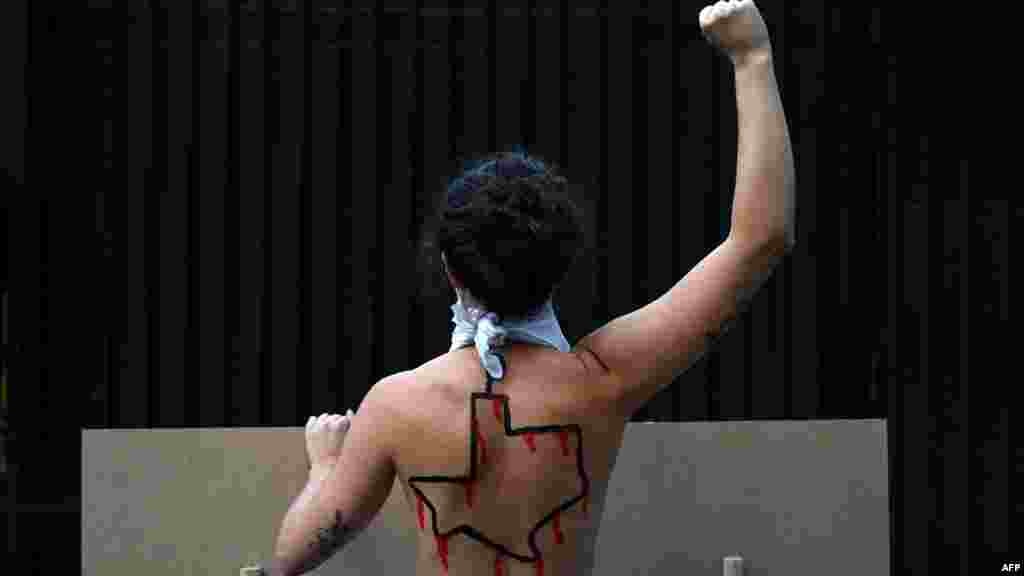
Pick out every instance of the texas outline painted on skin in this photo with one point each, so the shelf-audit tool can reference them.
(500, 402)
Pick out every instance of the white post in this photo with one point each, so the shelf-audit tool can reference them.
(732, 566)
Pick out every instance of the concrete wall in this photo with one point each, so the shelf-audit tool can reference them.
(795, 498)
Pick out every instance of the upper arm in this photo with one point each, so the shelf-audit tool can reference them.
(364, 475)
(645, 350)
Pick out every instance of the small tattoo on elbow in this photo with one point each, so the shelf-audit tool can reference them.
(330, 539)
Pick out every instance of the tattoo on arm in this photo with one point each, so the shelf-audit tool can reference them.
(327, 541)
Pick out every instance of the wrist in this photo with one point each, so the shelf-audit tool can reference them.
(753, 58)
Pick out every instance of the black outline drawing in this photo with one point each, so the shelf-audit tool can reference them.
(472, 476)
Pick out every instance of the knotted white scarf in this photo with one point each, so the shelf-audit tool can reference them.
(474, 324)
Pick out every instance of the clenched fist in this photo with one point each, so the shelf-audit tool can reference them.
(735, 27)
(324, 436)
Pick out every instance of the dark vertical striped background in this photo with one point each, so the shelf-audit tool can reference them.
(213, 211)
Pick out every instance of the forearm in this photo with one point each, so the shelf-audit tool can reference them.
(307, 535)
(764, 206)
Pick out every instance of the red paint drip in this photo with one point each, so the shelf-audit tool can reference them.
(499, 565)
(483, 442)
(442, 551)
(419, 511)
(469, 493)
(531, 442)
(497, 408)
(559, 538)
(564, 437)
(540, 567)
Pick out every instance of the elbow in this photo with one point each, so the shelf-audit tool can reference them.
(768, 247)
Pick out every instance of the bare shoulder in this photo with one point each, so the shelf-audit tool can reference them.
(390, 394)
(413, 393)
(443, 383)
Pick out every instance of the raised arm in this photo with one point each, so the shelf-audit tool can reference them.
(642, 352)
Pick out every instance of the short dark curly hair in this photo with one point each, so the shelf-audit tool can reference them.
(509, 231)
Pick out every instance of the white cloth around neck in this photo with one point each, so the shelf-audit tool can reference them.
(488, 333)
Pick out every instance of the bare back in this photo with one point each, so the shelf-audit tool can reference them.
(543, 446)
(512, 481)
